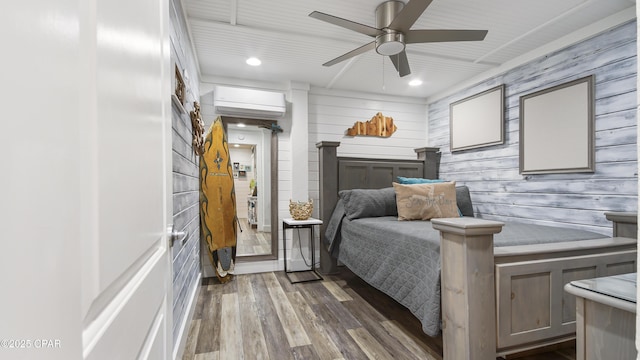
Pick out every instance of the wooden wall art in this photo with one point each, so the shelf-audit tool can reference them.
(379, 125)
(198, 129)
(180, 90)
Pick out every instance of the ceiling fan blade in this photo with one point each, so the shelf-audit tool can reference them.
(409, 14)
(426, 36)
(401, 63)
(352, 53)
(347, 24)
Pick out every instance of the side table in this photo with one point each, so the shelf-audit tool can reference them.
(300, 224)
(605, 317)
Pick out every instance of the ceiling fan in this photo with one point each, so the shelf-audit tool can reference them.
(393, 31)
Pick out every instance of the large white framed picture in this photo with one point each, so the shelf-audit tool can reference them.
(478, 120)
(557, 129)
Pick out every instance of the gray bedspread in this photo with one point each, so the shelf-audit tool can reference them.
(401, 258)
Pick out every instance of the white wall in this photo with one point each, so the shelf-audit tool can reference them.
(331, 113)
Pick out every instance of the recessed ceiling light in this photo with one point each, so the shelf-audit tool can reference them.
(254, 61)
(415, 82)
(236, 145)
(241, 125)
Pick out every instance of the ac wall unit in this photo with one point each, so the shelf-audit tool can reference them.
(251, 103)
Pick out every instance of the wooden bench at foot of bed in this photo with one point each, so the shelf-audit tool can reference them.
(512, 299)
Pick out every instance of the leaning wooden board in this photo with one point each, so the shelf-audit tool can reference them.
(218, 217)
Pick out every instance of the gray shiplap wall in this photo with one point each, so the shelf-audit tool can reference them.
(186, 215)
(498, 191)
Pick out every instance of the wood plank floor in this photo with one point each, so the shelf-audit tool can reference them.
(263, 316)
(251, 241)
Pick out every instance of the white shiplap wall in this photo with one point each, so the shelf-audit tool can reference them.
(332, 112)
(498, 191)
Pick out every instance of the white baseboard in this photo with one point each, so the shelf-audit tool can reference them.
(178, 350)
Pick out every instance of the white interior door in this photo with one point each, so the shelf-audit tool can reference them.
(85, 184)
(126, 266)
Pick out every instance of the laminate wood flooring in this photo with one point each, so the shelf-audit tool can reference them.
(251, 241)
(263, 316)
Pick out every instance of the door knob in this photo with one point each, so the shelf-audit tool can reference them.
(174, 235)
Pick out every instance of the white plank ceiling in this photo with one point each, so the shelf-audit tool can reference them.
(293, 46)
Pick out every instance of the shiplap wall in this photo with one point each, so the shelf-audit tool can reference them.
(331, 113)
(498, 191)
(186, 215)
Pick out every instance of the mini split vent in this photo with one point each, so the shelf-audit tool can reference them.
(250, 103)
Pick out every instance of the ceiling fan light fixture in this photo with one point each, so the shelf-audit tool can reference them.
(391, 43)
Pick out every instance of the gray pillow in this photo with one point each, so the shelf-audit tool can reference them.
(463, 198)
(361, 203)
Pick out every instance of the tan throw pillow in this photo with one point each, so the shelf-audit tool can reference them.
(426, 201)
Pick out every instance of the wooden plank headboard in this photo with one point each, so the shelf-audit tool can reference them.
(345, 173)
(373, 173)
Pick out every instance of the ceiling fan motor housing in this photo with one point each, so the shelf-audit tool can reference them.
(392, 41)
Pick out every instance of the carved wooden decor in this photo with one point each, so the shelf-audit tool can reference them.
(198, 129)
(379, 125)
(180, 86)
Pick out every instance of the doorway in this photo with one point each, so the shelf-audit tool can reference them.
(253, 149)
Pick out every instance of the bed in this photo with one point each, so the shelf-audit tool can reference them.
(509, 278)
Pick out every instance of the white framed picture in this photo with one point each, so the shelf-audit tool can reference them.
(557, 129)
(478, 120)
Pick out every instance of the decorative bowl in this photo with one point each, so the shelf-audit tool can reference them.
(300, 210)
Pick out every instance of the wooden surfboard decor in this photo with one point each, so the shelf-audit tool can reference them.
(218, 216)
